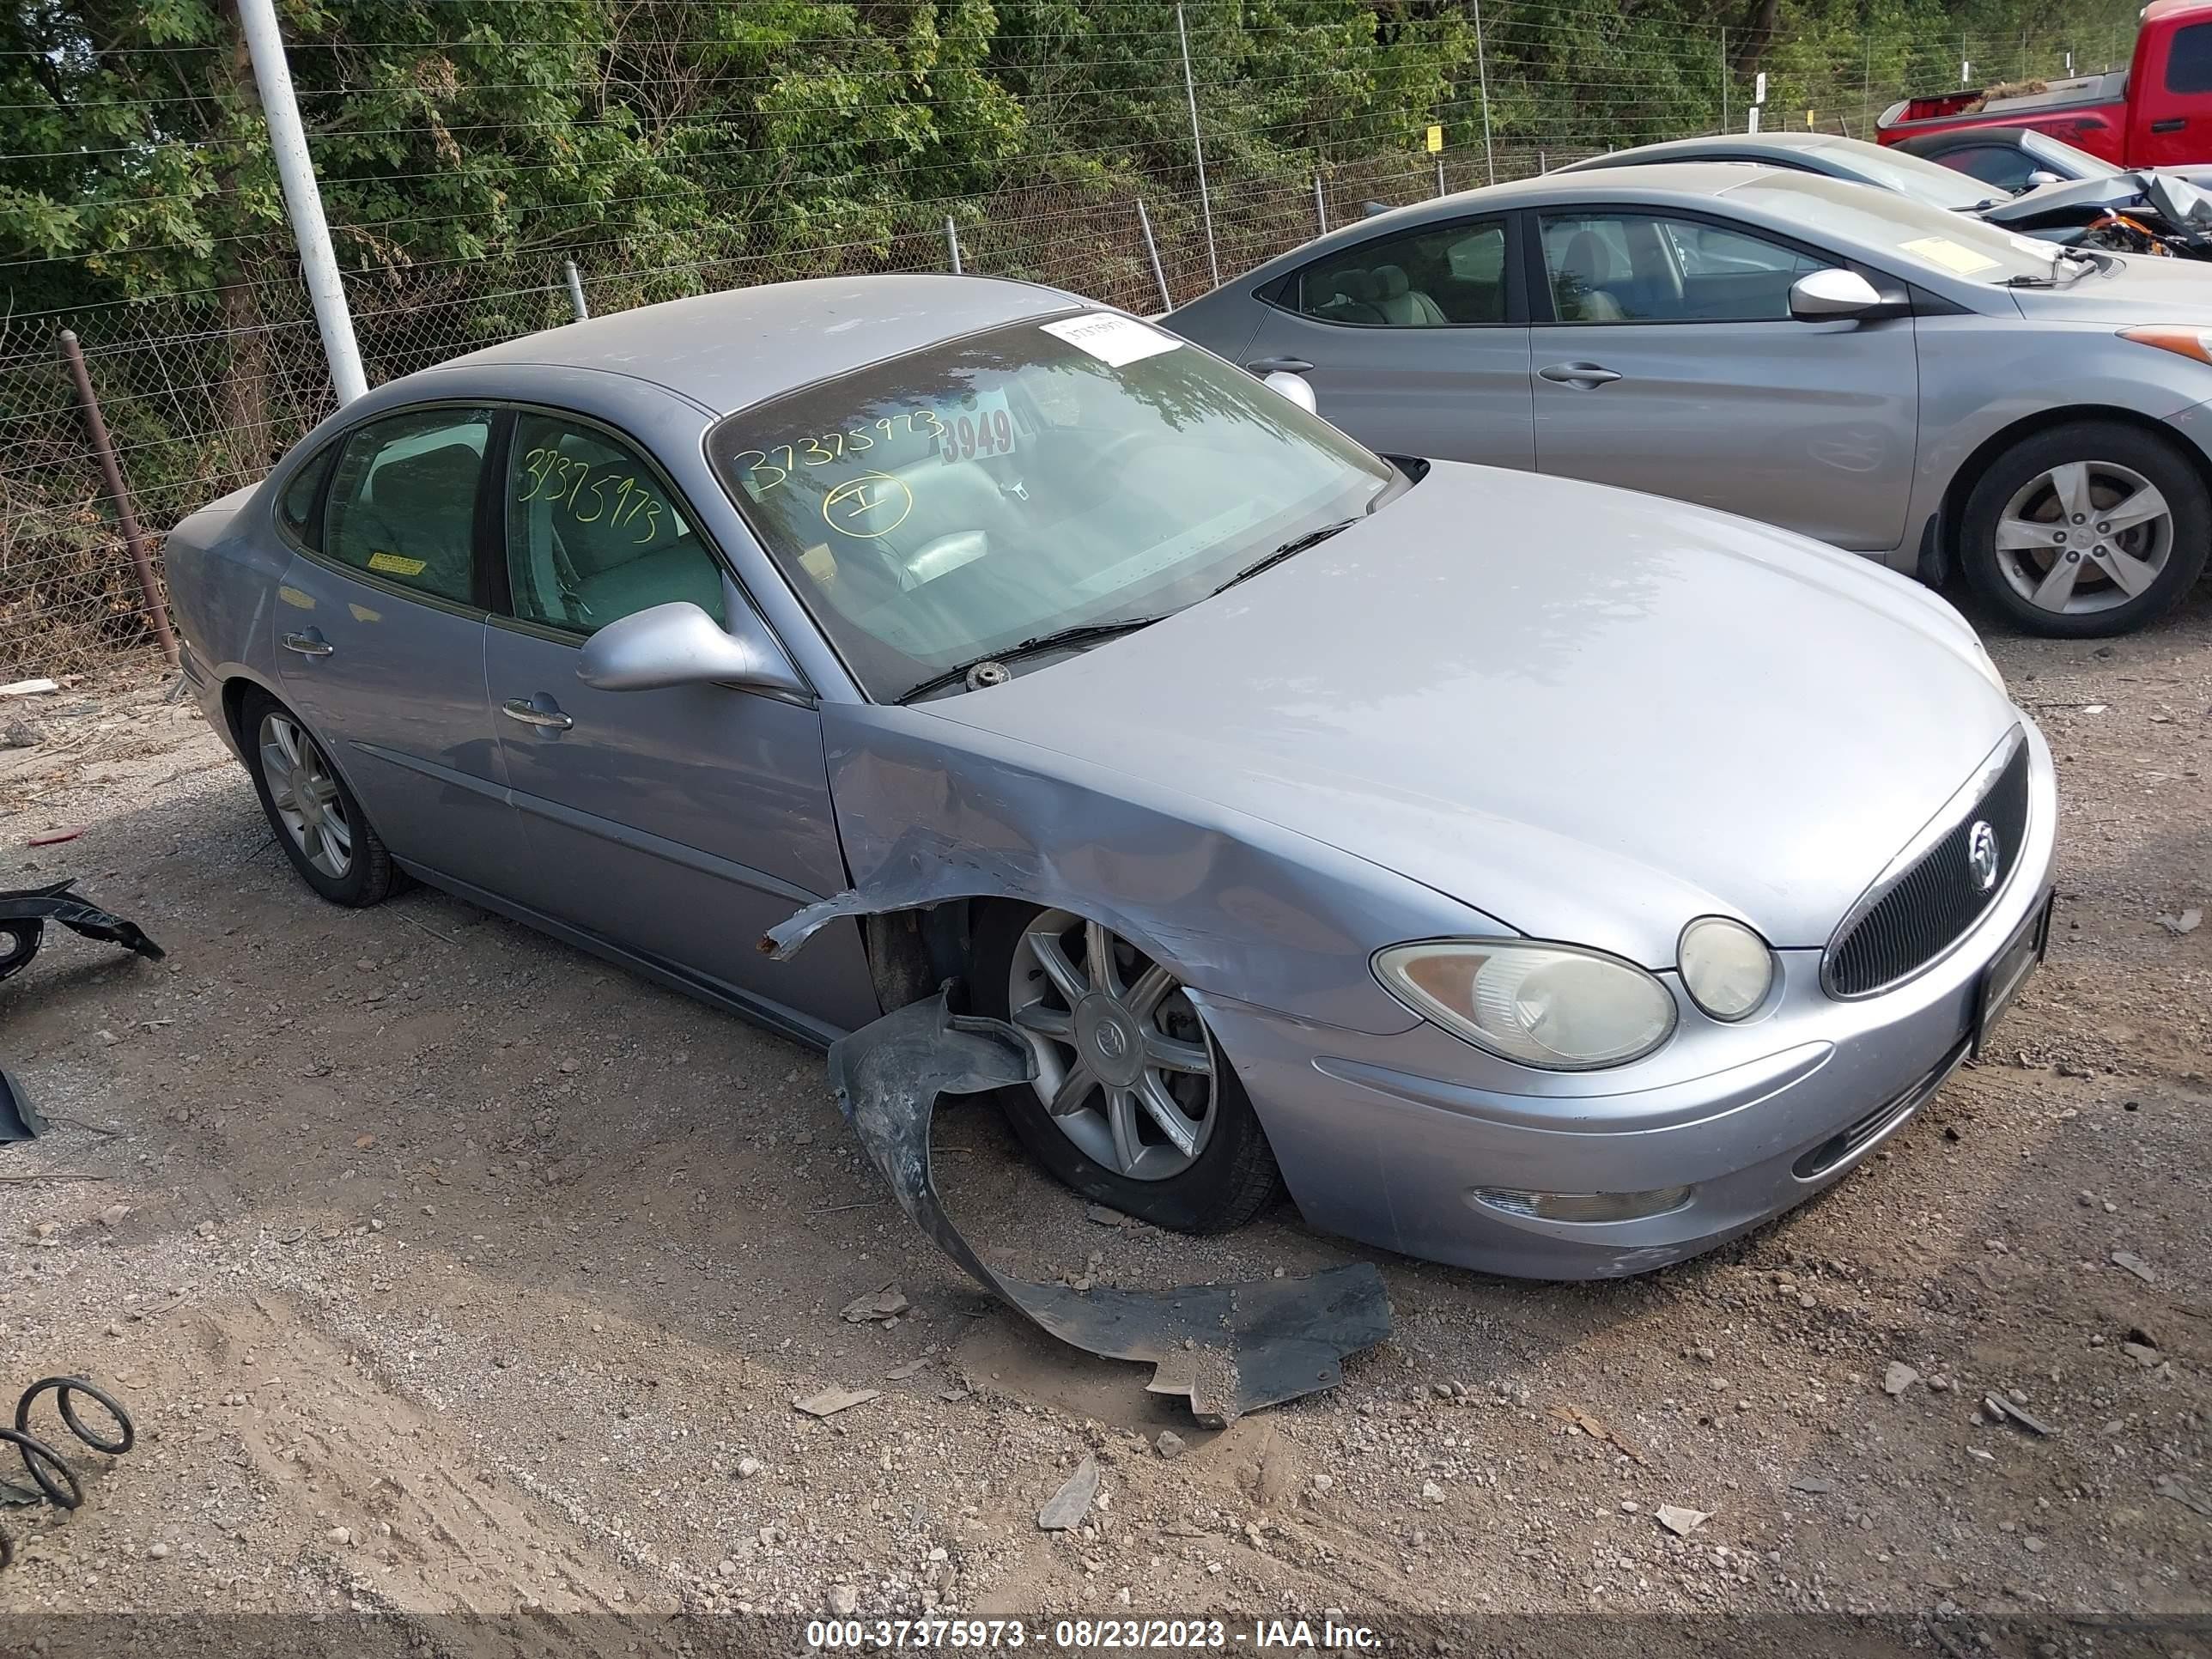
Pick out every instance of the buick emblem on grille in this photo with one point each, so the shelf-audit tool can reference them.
(1982, 855)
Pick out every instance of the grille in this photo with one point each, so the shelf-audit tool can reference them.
(1927, 908)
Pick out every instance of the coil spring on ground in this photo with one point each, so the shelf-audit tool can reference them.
(44, 1462)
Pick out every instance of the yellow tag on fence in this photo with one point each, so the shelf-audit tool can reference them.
(1436, 140)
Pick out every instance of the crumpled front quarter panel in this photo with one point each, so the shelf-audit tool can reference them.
(930, 810)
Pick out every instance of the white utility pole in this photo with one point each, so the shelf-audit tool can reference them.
(303, 202)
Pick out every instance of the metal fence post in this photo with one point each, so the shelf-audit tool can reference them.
(1482, 80)
(1724, 79)
(576, 291)
(1321, 207)
(1440, 176)
(1198, 148)
(141, 558)
(952, 243)
(303, 201)
(1153, 252)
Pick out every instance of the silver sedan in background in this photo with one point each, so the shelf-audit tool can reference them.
(1892, 377)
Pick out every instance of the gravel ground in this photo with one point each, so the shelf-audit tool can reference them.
(448, 1271)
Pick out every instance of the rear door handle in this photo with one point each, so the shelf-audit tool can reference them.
(1584, 376)
(1280, 366)
(2173, 124)
(515, 708)
(309, 644)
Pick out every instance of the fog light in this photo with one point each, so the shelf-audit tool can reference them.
(1583, 1206)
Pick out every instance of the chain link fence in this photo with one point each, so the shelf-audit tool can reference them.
(204, 389)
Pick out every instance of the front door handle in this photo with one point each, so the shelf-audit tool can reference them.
(2173, 124)
(1280, 365)
(309, 644)
(1584, 376)
(515, 708)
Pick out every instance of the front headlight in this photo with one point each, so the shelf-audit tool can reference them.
(1989, 669)
(1726, 968)
(1554, 1006)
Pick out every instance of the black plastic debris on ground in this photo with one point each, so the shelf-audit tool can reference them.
(1230, 1348)
(24, 913)
(18, 1122)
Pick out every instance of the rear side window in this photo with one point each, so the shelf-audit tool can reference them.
(1438, 276)
(2189, 61)
(404, 500)
(295, 508)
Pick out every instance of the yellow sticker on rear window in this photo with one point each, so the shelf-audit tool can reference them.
(1953, 257)
(392, 565)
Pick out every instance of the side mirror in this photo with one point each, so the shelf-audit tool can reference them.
(1832, 295)
(679, 644)
(2040, 177)
(1296, 388)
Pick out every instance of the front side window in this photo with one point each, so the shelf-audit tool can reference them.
(1641, 268)
(1433, 278)
(2189, 62)
(592, 533)
(987, 491)
(402, 501)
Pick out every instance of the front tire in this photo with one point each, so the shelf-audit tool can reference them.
(1135, 1103)
(316, 821)
(2088, 529)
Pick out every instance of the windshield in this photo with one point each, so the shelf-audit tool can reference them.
(964, 499)
(2064, 160)
(1907, 233)
(1910, 175)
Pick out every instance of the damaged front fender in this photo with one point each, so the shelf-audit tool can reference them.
(929, 811)
(1229, 1349)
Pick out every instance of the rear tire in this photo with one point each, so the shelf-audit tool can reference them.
(2035, 546)
(313, 814)
(1231, 1175)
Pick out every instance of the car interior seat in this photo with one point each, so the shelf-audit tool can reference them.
(1400, 302)
(1582, 287)
(421, 510)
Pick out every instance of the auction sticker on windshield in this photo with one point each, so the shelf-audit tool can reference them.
(1114, 340)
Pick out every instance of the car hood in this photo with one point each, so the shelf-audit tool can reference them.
(2143, 289)
(1589, 713)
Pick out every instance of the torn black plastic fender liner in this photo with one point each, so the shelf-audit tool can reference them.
(18, 1122)
(1230, 1348)
(25, 913)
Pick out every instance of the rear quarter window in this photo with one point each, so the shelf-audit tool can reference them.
(2189, 59)
(295, 508)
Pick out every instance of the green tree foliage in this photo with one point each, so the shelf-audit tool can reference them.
(466, 146)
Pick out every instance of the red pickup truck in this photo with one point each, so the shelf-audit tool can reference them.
(2157, 113)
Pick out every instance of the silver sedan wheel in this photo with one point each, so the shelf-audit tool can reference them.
(305, 792)
(2084, 536)
(1125, 1066)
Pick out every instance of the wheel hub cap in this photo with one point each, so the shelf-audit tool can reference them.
(1108, 1036)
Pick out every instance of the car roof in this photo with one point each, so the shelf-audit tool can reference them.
(1711, 143)
(728, 350)
(1678, 182)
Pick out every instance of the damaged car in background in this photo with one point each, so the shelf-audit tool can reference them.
(1468, 851)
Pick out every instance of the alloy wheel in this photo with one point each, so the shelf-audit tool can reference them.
(1126, 1068)
(2084, 536)
(305, 792)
